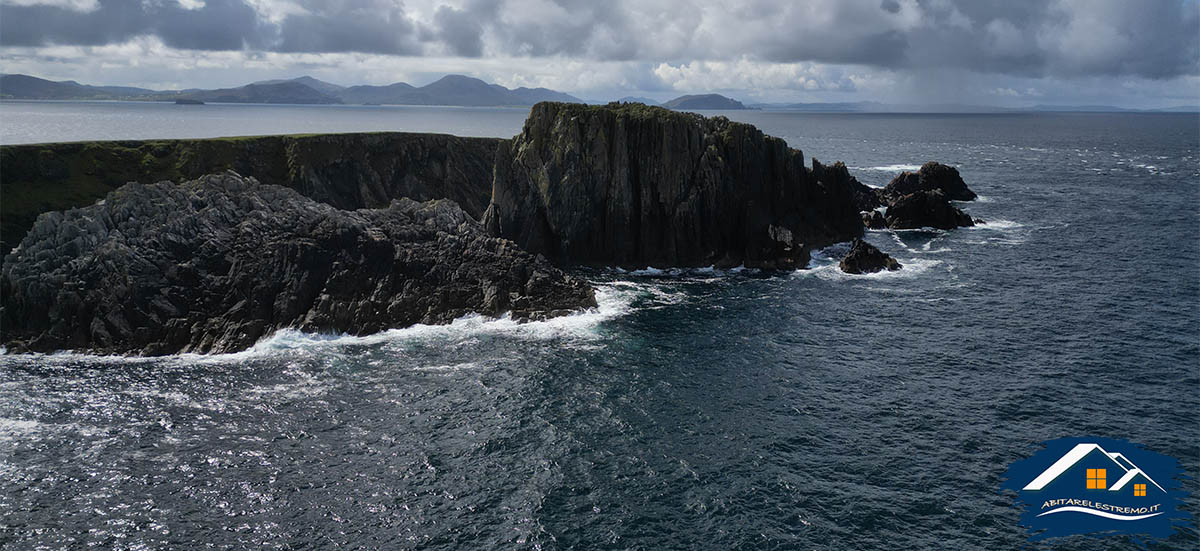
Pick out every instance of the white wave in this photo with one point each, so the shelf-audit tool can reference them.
(464, 366)
(16, 429)
(998, 224)
(612, 301)
(825, 265)
(910, 268)
(890, 168)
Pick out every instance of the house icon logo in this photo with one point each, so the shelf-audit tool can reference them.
(1097, 486)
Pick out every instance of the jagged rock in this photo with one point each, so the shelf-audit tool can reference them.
(874, 220)
(348, 171)
(931, 176)
(864, 258)
(632, 185)
(925, 209)
(214, 264)
(838, 176)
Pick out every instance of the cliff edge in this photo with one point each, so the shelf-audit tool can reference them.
(633, 185)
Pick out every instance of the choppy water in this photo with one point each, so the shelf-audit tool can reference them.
(695, 409)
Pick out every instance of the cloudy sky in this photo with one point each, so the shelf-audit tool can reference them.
(1137, 53)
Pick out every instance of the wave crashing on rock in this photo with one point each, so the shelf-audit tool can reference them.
(215, 264)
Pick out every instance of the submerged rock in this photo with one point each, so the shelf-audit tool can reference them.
(632, 185)
(931, 176)
(213, 265)
(864, 258)
(925, 209)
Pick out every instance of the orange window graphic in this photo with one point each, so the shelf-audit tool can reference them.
(1096, 479)
(1139, 489)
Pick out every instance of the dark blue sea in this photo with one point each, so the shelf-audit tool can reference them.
(699, 409)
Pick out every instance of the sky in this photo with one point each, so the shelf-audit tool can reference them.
(1130, 53)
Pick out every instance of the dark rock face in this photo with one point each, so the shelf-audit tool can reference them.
(931, 176)
(838, 176)
(864, 258)
(925, 209)
(874, 220)
(348, 171)
(632, 185)
(213, 265)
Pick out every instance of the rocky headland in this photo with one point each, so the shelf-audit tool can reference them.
(214, 264)
(634, 186)
(329, 233)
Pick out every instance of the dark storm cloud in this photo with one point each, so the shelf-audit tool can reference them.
(370, 26)
(461, 30)
(219, 25)
(1034, 38)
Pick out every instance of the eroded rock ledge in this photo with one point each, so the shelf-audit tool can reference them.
(214, 264)
(632, 185)
(348, 171)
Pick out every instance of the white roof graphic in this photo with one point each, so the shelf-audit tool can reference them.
(1080, 451)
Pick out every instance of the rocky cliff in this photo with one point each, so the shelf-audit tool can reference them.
(347, 171)
(632, 185)
(213, 265)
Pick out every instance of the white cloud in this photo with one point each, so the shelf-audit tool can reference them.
(73, 5)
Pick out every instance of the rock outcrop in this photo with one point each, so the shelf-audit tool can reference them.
(865, 258)
(632, 185)
(213, 265)
(931, 176)
(838, 176)
(348, 171)
(926, 208)
(874, 220)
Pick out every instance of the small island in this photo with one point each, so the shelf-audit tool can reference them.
(704, 101)
(187, 101)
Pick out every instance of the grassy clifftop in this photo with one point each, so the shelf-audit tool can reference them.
(345, 170)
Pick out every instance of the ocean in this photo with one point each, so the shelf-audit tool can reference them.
(694, 409)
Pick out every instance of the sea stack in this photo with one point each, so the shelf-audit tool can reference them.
(932, 176)
(631, 185)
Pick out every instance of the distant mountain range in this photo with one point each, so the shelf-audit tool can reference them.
(449, 90)
(458, 90)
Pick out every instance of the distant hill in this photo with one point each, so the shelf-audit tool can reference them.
(535, 95)
(704, 101)
(635, 99)
(315, 84)
(398, 93)
(27, 87)
(283, 92)
(451, 90)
